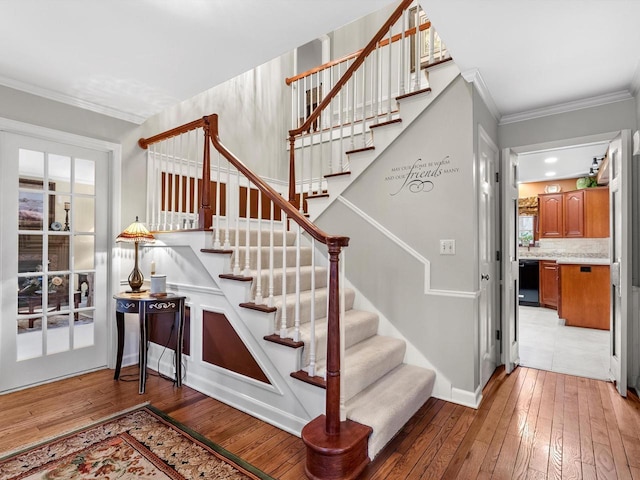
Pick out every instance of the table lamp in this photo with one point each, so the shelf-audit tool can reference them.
(136, 233)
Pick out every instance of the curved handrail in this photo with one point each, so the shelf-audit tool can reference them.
(382, 43)
(211, 122)
(397, 13)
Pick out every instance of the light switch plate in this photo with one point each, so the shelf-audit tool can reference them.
(447, 247)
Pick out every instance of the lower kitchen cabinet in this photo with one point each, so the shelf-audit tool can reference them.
(584, 295)
(548, 284)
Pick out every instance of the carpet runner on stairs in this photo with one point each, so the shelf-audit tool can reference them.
(381, 391)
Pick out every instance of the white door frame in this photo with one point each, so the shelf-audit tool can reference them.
(488, 345)
(620, 221)
(509, 277)
(114, 151)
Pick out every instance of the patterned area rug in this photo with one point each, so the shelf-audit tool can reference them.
(140, 444)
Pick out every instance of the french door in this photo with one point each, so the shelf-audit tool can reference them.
(54, 260)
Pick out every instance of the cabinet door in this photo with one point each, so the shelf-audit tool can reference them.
(551, 223)
(596, 212)
(549, 284)
(574, 214)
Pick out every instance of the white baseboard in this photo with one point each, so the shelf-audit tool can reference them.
(466, 398)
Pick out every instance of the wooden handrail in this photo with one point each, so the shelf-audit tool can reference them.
(187, 127)
(397, 13)
(212, 124)
(332, 63)
(306, 126)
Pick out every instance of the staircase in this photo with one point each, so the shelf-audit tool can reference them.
(380, 390)
(280, 272)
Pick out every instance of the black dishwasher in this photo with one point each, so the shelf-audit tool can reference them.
(529, 283)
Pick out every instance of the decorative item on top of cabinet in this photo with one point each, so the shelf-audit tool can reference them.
(549, 284)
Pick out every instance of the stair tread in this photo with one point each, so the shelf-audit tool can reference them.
(390, 402)
(367, 361)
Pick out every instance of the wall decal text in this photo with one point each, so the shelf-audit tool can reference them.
(420, 176)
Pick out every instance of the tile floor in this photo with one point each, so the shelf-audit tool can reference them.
(547, 344)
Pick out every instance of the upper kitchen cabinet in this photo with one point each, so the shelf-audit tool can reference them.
(551, 215)
(575, 214)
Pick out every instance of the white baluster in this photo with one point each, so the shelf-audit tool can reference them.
(165, 171)
(196, 188)
(271, 253)
(312, 330)
(258, 298)
(283, 317)
(364, 101)
(432, 41)
(227, 207)
(180, 185)
(174, 182)
(417, 49)
(401, 75)
(216, 243)
(236, 265)
(331, 122)
(150, 193)
(340, 123)
(247, 235)
(188, 180)
(352, 83)
(376, 89)
(389, 71)
(296, 330)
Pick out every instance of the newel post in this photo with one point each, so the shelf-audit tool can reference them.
(333, 344)
(205, 219)
(335, 450)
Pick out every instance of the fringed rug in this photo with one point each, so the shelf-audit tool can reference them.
(140, 444)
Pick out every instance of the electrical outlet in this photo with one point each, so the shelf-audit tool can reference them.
(447, 247)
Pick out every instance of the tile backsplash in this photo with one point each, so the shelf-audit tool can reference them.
(587, 247)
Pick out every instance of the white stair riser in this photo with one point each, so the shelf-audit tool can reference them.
(305, 307)
(253, 237)
(305, 257)
(305, 280)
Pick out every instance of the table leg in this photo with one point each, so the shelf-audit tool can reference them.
(143, 349)
(120, 329)
(179, 341)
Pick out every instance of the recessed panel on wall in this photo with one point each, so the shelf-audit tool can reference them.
(222, 346)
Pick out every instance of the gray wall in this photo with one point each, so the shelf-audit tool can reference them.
(441, 327)
(254, 114)
(578, 123)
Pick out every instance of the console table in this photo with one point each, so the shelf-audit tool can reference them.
(144, 305)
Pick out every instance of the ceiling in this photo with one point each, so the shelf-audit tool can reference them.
(131, 59)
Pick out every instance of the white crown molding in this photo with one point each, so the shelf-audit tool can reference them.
(635, 81)
(567, 107)
(73, 101)
(473, 76)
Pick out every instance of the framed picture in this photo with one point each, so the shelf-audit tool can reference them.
(31, 205)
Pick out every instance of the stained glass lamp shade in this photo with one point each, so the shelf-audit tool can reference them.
(136, 233)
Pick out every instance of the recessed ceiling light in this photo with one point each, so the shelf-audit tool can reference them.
(550, 174)
(550, 160)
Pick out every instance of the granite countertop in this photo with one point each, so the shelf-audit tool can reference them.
(565, 257)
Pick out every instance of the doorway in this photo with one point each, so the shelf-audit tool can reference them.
(54, 260)
(559, 330)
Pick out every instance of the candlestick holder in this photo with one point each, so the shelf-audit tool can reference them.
(67, 207)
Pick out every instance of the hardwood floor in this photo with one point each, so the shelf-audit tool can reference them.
(532, 425)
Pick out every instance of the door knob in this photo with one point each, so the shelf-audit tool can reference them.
(484, 277)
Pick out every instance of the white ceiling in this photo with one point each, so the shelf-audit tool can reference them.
(570, 162)
(132, 58)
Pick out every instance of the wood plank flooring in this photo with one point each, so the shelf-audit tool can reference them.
(531, 425)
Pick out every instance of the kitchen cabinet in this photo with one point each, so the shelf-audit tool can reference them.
(584, 298)
(551, 215)
(575, 214)
(548, 284)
